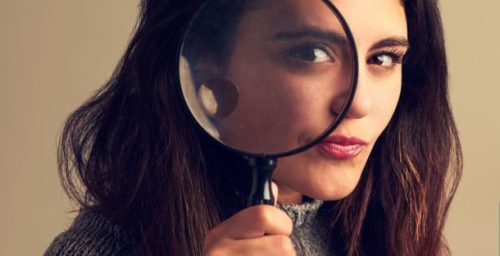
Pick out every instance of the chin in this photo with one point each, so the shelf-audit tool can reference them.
(330, 194)
(322, 180)
(326, 186)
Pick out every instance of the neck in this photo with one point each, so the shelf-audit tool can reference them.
(287, 195)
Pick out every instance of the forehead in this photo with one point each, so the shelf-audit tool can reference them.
(295, 10)
(372, 19)
(273, 16)
(365, 17)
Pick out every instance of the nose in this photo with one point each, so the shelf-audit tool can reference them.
(362, 101)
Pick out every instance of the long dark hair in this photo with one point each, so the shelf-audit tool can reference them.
(132, 153)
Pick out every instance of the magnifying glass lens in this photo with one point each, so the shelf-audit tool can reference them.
(267, 77)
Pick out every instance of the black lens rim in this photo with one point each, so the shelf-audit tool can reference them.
(341, 115)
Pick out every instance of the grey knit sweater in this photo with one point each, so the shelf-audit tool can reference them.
(309, 233)
(92, 234)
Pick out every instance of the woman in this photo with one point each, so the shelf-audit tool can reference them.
(155, 184)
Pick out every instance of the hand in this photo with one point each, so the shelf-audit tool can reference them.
(258, 230)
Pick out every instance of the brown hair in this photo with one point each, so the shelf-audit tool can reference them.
(145, 165)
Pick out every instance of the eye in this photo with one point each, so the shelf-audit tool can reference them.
(386, 59)
(309, 53)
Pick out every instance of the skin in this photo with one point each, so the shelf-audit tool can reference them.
(379, 85)
(275, 69)
(381, 42)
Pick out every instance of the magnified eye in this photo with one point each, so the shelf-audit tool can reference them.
(309, 53)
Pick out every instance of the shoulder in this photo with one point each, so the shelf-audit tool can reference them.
(92, 234)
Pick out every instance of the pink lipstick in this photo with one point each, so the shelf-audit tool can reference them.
(341, 147)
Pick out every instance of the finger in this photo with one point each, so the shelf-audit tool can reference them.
(254, 222)
(266, 245)
(262, 246)
(274, 189)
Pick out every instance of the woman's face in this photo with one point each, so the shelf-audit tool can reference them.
(290, 63)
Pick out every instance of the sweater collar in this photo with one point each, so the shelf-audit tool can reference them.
(302, 213)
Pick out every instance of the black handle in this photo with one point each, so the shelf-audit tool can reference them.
(262, 171)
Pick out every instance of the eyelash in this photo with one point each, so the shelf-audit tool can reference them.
(293, 55)
(396, 56)
(299, 56)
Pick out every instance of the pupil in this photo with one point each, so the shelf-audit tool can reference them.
(307, 54)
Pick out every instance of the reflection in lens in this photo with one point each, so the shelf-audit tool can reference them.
(218, 97)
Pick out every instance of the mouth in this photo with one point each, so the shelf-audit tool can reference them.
(342, 147)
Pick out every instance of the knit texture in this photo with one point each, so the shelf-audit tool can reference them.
(309, 233)
(91, 234)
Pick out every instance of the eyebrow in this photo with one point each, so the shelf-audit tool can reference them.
(391, 42)
(314, 32)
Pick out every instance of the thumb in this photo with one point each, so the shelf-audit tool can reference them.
(274, 189)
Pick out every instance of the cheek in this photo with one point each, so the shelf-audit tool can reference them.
(386, 100)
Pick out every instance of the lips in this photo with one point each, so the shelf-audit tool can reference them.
(342, 147)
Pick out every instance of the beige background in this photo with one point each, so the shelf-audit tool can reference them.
(54, 54)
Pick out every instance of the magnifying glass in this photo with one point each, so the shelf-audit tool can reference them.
(268, 78)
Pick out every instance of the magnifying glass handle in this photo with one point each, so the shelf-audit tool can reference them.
(262, 170)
